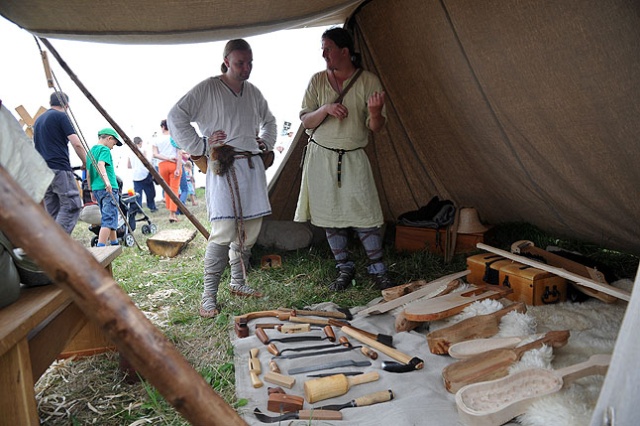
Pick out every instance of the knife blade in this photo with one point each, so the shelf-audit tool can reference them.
(372, 398)
(328, 366)
(301, 415)
(306, 354)
(346, 373)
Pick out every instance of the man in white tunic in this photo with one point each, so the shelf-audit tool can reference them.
(229, 112)
(338, 191)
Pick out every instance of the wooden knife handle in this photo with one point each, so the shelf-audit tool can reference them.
(319, 415)
(273, 366)
(369, 353)
(260, 334)
(328, 330)
(273, 349)
(255, 380)
(374, 398)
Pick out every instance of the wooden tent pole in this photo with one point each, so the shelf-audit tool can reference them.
(134, 148)
(74, 269)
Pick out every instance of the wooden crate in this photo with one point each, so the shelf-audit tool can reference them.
(412, 239)
(485, 268)
(533, 286)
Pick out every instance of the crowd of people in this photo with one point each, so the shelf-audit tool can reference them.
(235, 133)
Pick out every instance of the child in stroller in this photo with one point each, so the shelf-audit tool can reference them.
(130, 208)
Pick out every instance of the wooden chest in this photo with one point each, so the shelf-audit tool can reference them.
(412, 239)
(533, 286)
(485, 268)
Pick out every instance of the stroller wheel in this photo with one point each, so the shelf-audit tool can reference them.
(94, 241)
(153, 228)
(129, 241)
(146, 229)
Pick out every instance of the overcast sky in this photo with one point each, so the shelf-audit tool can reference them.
(137, 85)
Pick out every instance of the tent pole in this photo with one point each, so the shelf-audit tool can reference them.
(94, 290)
(125, 138)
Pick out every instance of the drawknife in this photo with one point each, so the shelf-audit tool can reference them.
(337, 364)
(301, 414)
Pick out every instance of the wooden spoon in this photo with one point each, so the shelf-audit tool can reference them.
(497, 401)
(471, 328)
(495, 364)
(470, 348)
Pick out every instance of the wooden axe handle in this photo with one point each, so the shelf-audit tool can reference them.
(393, 353)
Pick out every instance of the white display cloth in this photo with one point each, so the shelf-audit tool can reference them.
(416, 393)
(420, 396)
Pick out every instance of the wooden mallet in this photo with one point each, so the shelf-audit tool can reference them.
(339, 384)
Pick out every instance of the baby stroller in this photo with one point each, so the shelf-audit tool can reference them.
(130, 208)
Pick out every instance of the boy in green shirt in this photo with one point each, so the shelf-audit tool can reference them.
(103, 184)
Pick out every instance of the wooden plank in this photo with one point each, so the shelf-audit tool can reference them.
(381, 308)
(170, 242)
(605, 288)
(33, 307)
(18, 401)
(48, 341)
(451, 304)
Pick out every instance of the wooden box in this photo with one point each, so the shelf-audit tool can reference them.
(533, 286)
(485, 268)
(412, 239)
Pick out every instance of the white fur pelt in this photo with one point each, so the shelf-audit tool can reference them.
(594, 327)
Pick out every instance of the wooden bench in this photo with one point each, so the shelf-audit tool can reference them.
(43, 325)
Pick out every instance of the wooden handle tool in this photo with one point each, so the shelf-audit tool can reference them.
(328, 387)
(254, 368)
(277, 378)
(494, 364)
(408, 363)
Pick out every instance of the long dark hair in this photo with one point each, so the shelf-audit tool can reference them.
(342, 39)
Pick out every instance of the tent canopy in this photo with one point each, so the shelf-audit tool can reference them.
(170, 22)
(526, 110)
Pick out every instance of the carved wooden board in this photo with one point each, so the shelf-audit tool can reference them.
(425, 290)
(451, 304)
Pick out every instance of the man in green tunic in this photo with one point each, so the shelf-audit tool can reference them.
(338, 191)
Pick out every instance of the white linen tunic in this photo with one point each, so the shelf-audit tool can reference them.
(356, 202)
(212, 105)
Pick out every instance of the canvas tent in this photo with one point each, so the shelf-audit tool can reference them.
(526, 110)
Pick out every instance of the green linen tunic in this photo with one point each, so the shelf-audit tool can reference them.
(356, 202)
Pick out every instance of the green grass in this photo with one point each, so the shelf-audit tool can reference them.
(168, 292)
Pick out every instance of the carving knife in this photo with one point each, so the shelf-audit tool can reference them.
(302, 415)
(260, 333)
(372, 398)
(368, 352)
(337, 364)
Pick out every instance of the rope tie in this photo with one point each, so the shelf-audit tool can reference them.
(341, 153)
